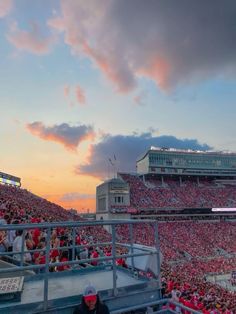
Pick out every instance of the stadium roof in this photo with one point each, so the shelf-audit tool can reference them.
(169, 149)
(185, 151)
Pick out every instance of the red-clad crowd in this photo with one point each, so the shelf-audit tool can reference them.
(197, 239)
(28, 207)
(186, 283)
(172, 193)
(197, 247)
(19, 206)
(191, 249)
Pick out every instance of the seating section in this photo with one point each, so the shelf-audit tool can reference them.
(197, 239)
(22, 204)
(173, 193)
(190, 248)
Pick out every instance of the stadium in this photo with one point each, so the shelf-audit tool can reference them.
(163, 240)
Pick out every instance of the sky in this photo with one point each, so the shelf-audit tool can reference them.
(86, 87)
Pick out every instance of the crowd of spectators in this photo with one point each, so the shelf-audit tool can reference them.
(200, 248)
(185, 238)
(23, 205)
(190, 248)
(188, 276)
(186, 283)
(178, 194)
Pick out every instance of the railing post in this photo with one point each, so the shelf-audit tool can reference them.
(114, 259)
(73, 246)
(157, 246)
(131, 244)
(46, 269)
(22, 248)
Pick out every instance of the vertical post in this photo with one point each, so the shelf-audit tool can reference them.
(157, 246)
(22, 248)
(114, 259)
(108, 170)
(73, 246)
(45, 299)
(132, 244)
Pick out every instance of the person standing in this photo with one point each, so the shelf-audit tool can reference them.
(91, 303)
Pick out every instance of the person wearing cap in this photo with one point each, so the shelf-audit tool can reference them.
(91, 303)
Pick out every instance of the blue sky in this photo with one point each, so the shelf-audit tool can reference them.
(82, 82)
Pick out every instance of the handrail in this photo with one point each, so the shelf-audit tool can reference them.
(73, 228)
(70, 224)
(147, 305)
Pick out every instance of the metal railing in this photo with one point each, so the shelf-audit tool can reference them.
(156, 307)
(73, 229)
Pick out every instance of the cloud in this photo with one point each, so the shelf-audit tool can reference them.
(123, 151)
(141, 98)
(69, 136)
(32, 41)
(80, 95)
(74, 196)
(79, 21)
(170, 43)
(66, 91)
(5, 7)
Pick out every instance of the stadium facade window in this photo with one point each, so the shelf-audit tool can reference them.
(119, 199)
(192, 160)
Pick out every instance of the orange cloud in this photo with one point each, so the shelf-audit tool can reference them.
(83, 206)
(68, 136)
(31, 41)
(5, 7)
(158, 69)
(80, 204)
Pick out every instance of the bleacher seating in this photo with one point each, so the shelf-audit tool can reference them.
(190, 248)
(173, 194)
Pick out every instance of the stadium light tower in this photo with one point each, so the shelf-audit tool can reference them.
(113, 163)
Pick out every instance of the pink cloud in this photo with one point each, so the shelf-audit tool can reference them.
(80, 96)
(68, 136)
(113, 68)
(32, 41)
(66, 91)
(166, 43)
(5, 7)
(140, 99)
(81, 21)
(159, 69)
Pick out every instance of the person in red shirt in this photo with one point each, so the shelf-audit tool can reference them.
(63, 258)
(189, 304)
(54, 253)
(170, 285)
(94, 254)
(36, 236)
(121, 262)
(108, 253)
(78, 240)
(37, 255)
